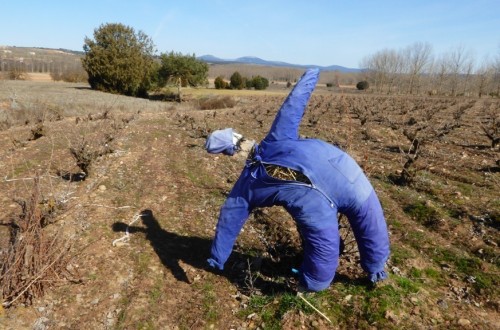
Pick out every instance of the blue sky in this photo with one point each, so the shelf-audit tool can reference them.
(319, 32)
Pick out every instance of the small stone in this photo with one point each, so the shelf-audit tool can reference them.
(120, 243)
(102, 187)
(40, 323)
(389, 315)
(396, 270)
(348, 297)
(442, 303)
(464, 322)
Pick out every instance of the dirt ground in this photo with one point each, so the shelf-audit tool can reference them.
(149, 169)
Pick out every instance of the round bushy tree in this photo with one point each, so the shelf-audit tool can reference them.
(362, 85)
(220, 83)
(260, 83)
(119, 60)
(236, 81)
(186, 68)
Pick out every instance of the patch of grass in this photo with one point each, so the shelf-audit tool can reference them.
(488, 254)
(265, 307)
(378, 302)
(142, 262)
(407, 285)
(146, 325)
(424, 214)
(415, 273)
(271, 309)
(122, 315)
(26, 166)
(395, 224)
(363, 308)
(430, 276)
(400, 254)
(209, 301)
(198, 176)
(468, 266)
(417, 239)
(465, 188)
(434, 275)
(156, 291)
(368, 307)
(289, 301)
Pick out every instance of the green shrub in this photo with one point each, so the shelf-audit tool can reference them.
(260, 83)
(220, 83)
(237, 81)
(362, 85)
(119, 60)
(187, 68)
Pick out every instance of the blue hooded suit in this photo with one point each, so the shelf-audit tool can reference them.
(337, 184)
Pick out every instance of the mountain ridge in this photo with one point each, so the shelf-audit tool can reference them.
(258, 61)
(205, 58)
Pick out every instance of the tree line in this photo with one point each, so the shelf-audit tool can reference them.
(415, 70)
(120, 60)
(237, 81)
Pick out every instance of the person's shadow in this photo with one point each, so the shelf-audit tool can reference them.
(194, 251)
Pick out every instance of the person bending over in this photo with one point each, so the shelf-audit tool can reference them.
(313, 181)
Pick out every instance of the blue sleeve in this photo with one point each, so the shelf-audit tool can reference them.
(233, 215)
(287, 121)
(370, 229)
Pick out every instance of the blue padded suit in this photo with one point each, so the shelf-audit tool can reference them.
(337, 185)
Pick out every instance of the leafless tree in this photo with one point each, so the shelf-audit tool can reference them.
(484, 76)
(496, 74)
(460, 61)
(440, 73)
(417, 59)
(383, 69)
(490, 122)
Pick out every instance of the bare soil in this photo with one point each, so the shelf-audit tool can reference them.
(444, 268)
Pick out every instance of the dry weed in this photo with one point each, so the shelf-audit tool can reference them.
(35, 259)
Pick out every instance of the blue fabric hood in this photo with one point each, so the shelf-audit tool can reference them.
(221, 141)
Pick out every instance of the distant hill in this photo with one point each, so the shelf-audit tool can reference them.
(259, 61)
(41, 54)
